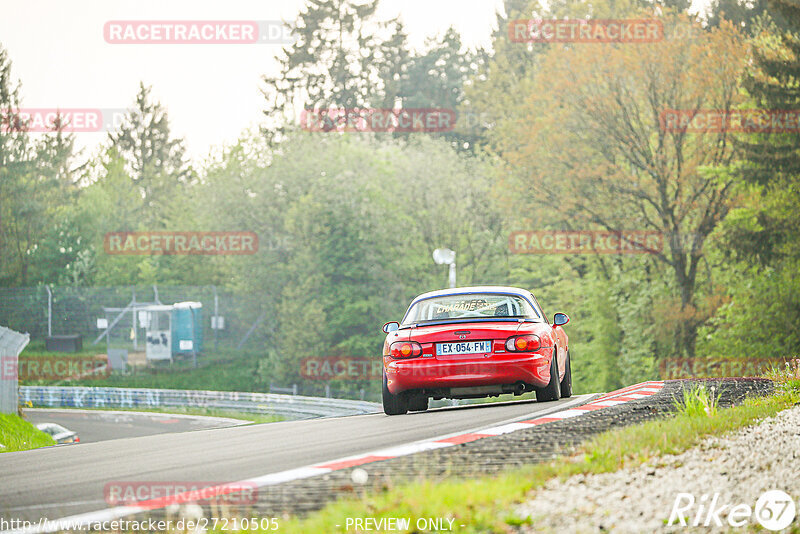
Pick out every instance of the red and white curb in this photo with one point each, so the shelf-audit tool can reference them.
(621, 396)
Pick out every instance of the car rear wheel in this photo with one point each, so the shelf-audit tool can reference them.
(566, 384)
(552, 390)
(394, 404)
(418, 403)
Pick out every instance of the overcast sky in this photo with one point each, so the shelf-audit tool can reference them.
(210, 91)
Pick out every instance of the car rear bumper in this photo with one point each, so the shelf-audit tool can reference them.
(433, 373)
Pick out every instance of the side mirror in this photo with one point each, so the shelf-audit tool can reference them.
(560, 318)
(391, 326)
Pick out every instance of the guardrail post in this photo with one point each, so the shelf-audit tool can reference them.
(294, 389)
(328, 390)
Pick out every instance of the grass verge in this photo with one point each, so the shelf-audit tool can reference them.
(16, 434)
(483, 504)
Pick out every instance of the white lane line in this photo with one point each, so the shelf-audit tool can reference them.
(152, 415)
(286, 476)
(70, 503)
(645, 386)
(400, 450)
(607, 403)
(569, 413)
(75, 522)
(504, 429)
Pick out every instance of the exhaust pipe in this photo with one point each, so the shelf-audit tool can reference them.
(519, 388)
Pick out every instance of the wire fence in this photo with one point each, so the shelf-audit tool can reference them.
(236, 328)
(61, 310)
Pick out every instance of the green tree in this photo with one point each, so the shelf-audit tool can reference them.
(749, 16)
(762, 234)
(37, 183)
(340, 53)
(438, 78)
(13, 164)
(343, 250)
(772, 160)
(585, 140)
(154, 160)
(344, 58)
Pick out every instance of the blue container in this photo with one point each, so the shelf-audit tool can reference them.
(187, 328)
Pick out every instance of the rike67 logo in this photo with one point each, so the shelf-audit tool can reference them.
(774, 510)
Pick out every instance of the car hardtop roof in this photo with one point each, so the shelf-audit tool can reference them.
(53, 426)
(475, 289)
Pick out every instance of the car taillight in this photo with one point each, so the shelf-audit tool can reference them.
(528, 343)
(405, 349)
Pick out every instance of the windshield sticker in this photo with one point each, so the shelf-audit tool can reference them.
(462, 305)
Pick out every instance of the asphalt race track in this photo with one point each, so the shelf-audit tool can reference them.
(55, 482)
(96, 425)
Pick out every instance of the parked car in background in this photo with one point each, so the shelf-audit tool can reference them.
(59, 433)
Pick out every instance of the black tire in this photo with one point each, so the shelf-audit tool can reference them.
(552, 391)
(418, 403)
(393, 404)
(566, 384)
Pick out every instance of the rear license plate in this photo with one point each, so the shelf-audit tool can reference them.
(464, 347)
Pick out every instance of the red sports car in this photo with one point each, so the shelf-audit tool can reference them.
(472, 342)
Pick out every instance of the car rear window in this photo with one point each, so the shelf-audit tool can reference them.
(469, 306)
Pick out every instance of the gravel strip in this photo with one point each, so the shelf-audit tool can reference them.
(739, 467)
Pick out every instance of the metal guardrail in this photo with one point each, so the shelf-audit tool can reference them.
(288, 406)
